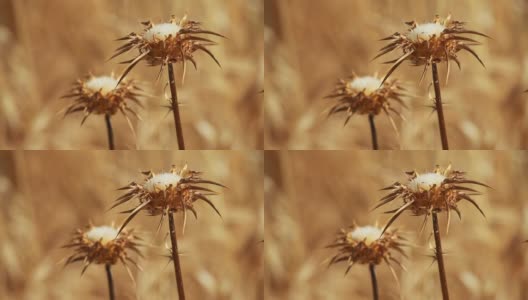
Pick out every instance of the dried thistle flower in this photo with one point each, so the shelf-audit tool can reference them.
(103, 245)
(102, 95)
(166, 43)
(434, 192)
(169, 192)
(366, 95)
(428, 43)
(367, 245)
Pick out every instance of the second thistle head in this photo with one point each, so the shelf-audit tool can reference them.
(366, 95)
(103, 245)
(366, 245)
(103, 95)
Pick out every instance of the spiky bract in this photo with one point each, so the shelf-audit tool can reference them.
(171, 42)
(438, 191)
(173, 191)
(424, 44)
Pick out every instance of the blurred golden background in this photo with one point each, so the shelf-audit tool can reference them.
(48, 44)
(46, 195)
(309, 44)
(310, 195)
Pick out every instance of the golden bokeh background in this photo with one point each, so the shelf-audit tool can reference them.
(310, 195)
(46, 195)
(309, 44)
(48, 44)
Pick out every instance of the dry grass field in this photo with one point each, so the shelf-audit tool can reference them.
(46, 195)
(309, 44)
(309, 195)
(47, 44)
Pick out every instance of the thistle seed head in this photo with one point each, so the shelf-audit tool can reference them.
(434, 42)
(103, 245)
(168, 192)
(171, 42)
(366, 245)
(103, 95)
(366, 95)
(437, 191)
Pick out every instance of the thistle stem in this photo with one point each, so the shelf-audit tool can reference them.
(440, 257)
(375, 295)
(110, 281)
(110, 132)
(373, 132)
(176, 258)
(175, 108)
(439, 108)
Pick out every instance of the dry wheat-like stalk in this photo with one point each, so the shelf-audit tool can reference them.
(164, 44)
(367, 95)
(427, 45)
(429, 194)
(368, 245)
(165, 194)
(104, 245)
(103, 95)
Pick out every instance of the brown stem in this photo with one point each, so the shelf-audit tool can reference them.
(373, 132)
(110, 281)
(375, 295)
(439, 108)
(110, 132)
(176, 258)
(175, 108)
(440, 257)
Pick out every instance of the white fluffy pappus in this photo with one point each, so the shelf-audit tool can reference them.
(104, 234)
(103, 84)
(426, 181)
(366, 234)
(161, 31)
(425, 31)
(365, 84)
(161, 181)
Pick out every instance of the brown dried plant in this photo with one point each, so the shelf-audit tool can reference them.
(367, 95)
(104, 245)
(429, 44)
(103, 95)
(367, 245)
(430, 194)
(165, 194)
(165, 44)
